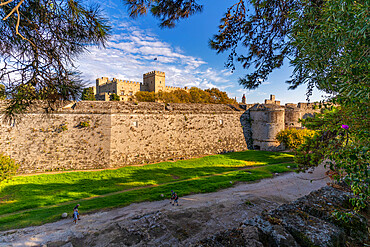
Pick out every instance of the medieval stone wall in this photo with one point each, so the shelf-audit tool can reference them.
(58, 142)
(91, 135)
(138, 138)
(98, 134)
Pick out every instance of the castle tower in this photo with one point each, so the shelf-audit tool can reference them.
(154, 81)
(272, 100)
(244, 100)
(100, 82)
(267, 121)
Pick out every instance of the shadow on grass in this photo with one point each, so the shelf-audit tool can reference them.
(266, 157)
(45, 190)
(200, 185)
(44, 193)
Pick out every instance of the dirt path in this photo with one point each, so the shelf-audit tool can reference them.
(161, 224)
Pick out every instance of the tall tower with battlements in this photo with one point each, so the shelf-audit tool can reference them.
(154, 81)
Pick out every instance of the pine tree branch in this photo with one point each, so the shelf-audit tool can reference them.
(16, 9)
(5, 3)
(13, 10)
(17, 27)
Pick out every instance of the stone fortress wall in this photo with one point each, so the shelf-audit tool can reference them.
(153, 81)
(116, 134)
(270, 118)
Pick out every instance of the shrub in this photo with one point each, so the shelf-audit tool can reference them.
(114, 97)
(8, 167)
(84, 124)
(293, 138)
(88, 94)
(144, 96)
(342, 139)
(62, 127)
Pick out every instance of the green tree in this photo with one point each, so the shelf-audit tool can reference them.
(333, 53)
(2, 92)
(182, 95)
(114, 97)
(143, 96)
(39, 40)
(167, 97)
(88, 94)
(326, 42)
(199, 96)
(219, 97)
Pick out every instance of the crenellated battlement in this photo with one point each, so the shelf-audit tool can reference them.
(102, 81)
(115, 80)
(307, 105)
(154, 72)
(153, 81)
(171, 88)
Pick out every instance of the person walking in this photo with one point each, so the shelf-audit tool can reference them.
(172, 196)
(175, 199)
(76, 215)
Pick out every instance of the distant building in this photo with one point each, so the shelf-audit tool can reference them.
(272, 100)
(244, 99)
(152, 82)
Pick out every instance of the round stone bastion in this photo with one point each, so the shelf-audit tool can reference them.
(266, 121)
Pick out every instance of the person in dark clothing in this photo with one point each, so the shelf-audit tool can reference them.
(175, 199)
(172, 196)
(76, 215)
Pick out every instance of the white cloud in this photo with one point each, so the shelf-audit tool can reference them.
(130, 52)
(264, 82)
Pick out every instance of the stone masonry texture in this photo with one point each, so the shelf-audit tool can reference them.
(119, 134)
(97, 134)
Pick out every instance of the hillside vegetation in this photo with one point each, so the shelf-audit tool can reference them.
(193, 95)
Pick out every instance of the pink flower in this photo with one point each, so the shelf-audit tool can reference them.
(344, 126)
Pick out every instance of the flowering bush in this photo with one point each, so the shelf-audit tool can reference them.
(344, 146)
(292, 138)
(330, 40)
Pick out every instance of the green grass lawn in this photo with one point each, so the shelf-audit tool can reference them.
(35, 200)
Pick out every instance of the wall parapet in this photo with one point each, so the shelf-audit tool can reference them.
(110, 107)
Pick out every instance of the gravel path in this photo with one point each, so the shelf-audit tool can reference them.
(161, 224)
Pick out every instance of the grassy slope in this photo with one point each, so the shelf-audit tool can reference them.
(50, 195)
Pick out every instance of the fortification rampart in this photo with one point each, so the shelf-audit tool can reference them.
(170, 88)
(98, 134)
(119, 133)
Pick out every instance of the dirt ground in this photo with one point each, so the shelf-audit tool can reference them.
(161, 224)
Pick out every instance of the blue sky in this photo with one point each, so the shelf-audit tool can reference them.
(183, 54)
